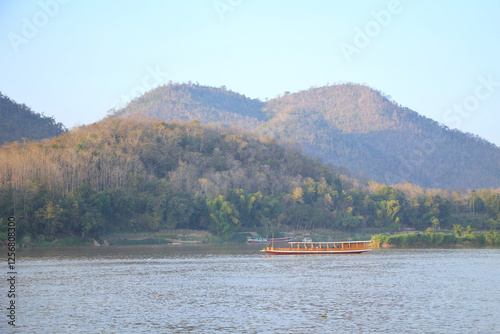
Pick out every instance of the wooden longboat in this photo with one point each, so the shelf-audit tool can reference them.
(339, 247)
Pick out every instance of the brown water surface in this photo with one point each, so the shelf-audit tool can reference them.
(237, 289)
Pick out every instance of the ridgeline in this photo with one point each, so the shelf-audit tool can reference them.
(348, 125)
(19, 123)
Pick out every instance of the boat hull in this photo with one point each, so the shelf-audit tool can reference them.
(313, 252)
(316, 248)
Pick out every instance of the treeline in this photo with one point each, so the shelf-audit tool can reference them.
(433, 239)
(19, 121)
(124, 175)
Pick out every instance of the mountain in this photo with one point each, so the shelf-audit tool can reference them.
(19, 121)
(358, 127)
(205, 104)
(348, 125)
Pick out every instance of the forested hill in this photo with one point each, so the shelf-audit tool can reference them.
(192, 101)
(358, 127)
(128, 175)
(19, 121)
(347, 125)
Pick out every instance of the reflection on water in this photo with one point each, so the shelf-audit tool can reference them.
(237, 289)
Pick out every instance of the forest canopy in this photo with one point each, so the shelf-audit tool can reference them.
(148, 175)
(20, 122)
(345, 124)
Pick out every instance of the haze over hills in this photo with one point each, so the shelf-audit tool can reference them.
(348, 125)
(19, 121)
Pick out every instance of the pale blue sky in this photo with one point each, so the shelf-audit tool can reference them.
(84, 57)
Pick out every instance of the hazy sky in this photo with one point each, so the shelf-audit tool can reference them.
(75, 60)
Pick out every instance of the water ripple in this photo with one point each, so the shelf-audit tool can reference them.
(235, 289)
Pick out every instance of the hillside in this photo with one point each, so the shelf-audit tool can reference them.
(359, 128)
(347, 125)
(127, 175)
(19, 121)
(124, 175)
(205, 104)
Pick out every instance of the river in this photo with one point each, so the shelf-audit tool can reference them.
(237, 289)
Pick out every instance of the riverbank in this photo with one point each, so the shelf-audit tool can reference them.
(125, 238)
(185, 236)
(436, 239)
(380, 238)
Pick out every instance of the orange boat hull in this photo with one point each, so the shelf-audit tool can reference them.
(314, 248)
(297, 252)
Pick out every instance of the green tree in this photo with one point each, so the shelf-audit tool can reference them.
(491, 202)
(50, 214)
(468, 230)
(458, 230)
(349, 221)
(476, 203)
(180, 211)
(435, 223)
(90, 225)
(224, 217)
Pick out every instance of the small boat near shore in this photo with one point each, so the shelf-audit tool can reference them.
(338, 247)
(251, 240)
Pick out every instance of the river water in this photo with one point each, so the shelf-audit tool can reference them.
(237, 289)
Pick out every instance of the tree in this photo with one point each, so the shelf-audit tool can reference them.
(90, 225)
(224, 217)
(491, 202)
(298, 195)
(476, 204)
(469, 230)
(348, 221)
(51, 216)
(435, 223)
(180, 212)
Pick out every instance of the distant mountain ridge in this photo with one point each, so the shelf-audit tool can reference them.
(206, 104)
(349, 125)
(19, 121)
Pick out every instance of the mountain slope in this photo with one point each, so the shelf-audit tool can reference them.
(19, 121)
(348, 125)
(205, 104)
(357, 127)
